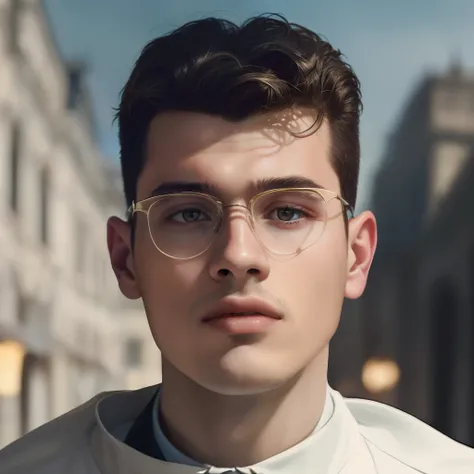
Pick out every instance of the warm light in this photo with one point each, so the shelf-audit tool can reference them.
(11, 365)
(380, 375)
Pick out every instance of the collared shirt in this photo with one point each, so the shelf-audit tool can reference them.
(174, 455)
(170, 452)
(113, 434)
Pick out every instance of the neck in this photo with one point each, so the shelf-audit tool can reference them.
(241, 430)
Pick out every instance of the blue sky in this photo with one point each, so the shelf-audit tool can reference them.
(391, 45)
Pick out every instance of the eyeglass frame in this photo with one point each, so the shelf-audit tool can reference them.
(144, 206)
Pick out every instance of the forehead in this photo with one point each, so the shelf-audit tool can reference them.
(193, 147)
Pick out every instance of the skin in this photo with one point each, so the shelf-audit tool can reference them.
(234, 401)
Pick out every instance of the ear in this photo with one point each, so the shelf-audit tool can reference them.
(121, 257)
(362, 242)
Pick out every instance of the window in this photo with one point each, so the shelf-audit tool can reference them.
(15, 167)
(81, 242)
(13, 22)
(44, 204)
(133, 353)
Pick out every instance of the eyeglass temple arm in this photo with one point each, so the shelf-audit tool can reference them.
(348, 207)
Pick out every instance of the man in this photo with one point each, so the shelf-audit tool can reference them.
(240, 158)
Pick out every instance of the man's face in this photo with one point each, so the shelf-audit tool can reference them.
(305, 290)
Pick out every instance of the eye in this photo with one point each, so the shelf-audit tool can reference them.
(287, 214)
(189, 215)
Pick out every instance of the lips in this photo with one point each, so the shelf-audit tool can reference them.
(238, 307)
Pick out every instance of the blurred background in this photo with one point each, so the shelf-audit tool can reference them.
(66, 333)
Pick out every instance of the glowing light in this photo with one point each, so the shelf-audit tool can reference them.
(12, 354)
(380, 375)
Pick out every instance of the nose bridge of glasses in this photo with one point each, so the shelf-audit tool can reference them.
(237, 231)
(237, 212)
(243, 207)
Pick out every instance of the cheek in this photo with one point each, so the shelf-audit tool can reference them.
(316, 286)
(162, 280)
(153, 269)
(168, 292)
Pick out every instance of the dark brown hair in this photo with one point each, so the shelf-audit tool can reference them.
(214, 66)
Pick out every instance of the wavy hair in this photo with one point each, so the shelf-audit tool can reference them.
(214, 66)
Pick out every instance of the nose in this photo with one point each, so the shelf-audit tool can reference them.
(238, 254)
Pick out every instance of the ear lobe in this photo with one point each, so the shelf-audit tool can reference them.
(362, 242)
(121, 257)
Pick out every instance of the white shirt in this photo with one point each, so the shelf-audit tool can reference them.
(361, 437)
(174, 455)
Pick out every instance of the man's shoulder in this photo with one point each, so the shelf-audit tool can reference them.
(54, 446)
(397, 437)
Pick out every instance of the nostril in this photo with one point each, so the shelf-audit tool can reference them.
(226, 272)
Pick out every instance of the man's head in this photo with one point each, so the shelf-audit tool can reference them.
(234, 113)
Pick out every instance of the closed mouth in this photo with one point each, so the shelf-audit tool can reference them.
(241, 307)
(245, 313)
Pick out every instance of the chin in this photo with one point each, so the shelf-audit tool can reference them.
(238, 373)
(239, 386)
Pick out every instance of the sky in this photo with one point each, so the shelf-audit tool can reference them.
(391, 45)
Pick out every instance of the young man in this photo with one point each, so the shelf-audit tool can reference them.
(240, 158)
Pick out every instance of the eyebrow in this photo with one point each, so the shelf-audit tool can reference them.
(171, 187)
(261, 185)
(267, 184)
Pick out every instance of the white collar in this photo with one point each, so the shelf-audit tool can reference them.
(327, 450)
(174, 455)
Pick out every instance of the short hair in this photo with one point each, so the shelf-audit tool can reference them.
(216, 67)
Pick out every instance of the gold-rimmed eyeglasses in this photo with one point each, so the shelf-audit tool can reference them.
(286, 221)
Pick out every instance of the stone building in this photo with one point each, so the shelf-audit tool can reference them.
(64, 327)
(419, 306)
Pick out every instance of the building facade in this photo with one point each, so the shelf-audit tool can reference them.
(419, 305)
(58, 296)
